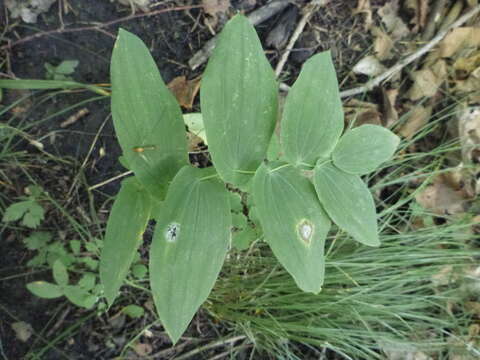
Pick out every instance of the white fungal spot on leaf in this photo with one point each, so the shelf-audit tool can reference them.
(305, 231)
(172, 232)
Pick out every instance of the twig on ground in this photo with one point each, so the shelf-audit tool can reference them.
(210, 346)
(256, 17)
(434, 19)
(84, 163)
(307, 14)
(411, 58)
(108, 181)
(98, 27)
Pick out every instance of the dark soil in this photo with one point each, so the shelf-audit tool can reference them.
(172, 37)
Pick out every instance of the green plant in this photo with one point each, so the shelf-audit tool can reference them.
(29, 209)
(193, 208)
(62, 71)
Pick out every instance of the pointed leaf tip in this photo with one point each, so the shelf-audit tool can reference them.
(239, 102)
(348, 202)
(296, 233)
(313, 115)
(147, 119)
(189, 246)
(126, 224)
(364, 148)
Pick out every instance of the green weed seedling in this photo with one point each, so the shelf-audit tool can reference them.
(62, 260)
(295, 184)
(84, 294)
(62, 71)
(28, 209)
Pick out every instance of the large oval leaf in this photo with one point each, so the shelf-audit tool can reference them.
(239, 102)
(293, 221)
(126, 224)
(45, 289)
(364, 148)
(148, 121)
(313, 116)
(189, 245)
(348, 202)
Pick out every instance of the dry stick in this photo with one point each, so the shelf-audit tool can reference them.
(97, 27)
(256, 17)
(93, 187)
(90, 150)
(409, 59)
(307, 14)
(434, 19)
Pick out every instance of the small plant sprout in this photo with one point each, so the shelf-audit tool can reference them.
(296, 185)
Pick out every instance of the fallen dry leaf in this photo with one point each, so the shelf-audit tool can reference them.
(369, 66)
(382, 44)
(402, 351)
(459, 38)
(468, 119)
(420, 11)
(364, 7)
(214, 7)
(185, 90)
(390, 113)
(427, 81)
(441, 198)
(140, 4)
(394, 24)
(142, 349)
(417, 118)
(362, 113)
(23, 331)
(464, 66)
(444, 277)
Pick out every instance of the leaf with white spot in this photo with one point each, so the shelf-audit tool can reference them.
(293, 221)
(364, 148)
(348, 202)
(239, 102)
(147, 119)
(313, 116)
(189, 246)
(126, 224)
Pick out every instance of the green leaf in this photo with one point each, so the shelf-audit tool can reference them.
(34, 84)
(139, 271)
(87, 281)
(239, 102)
(274, 149)
(66, 67)
(33, 216)
(147, 119)
(37, 240)
(293, 221)
(45, 289)
(364, 148)
(134, 311)
(79, 296)
(189, 246)
(30, 210)
(313, 116)
(195, 125)
(75, 245)
(126, 224)
(242, 239)
(348, 202)
(235, 202)
(60, 274)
